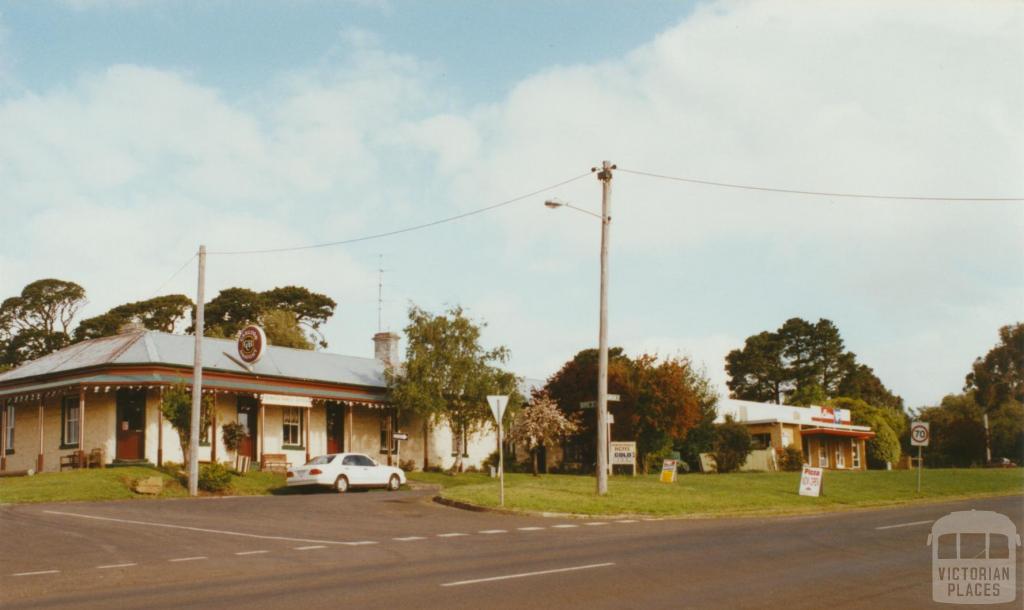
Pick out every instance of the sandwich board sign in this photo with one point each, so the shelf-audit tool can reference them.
(810, 481)
(668, 471)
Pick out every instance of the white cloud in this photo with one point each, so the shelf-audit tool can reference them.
(113, 179)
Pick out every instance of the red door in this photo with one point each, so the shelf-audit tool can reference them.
(131, 424)
(335, 428)
(247, 416)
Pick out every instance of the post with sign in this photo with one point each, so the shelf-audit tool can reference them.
(498, 404)
(920, 435)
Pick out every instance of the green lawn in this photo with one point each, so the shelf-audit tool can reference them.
(729, 494)
(115, 484)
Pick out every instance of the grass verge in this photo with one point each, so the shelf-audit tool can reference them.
(724, 495)
(115, 484)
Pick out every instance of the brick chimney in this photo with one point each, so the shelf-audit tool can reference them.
(385, 348)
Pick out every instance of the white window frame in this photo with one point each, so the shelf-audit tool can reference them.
(460, 442)
(9, 431)
(822, 454)
(855, 452)
(840, 456)
(291, 421)
(69, 431)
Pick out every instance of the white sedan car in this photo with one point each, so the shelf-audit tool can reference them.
(344, 471)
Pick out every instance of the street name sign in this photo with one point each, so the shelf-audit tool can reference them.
(810, 481)
(400, 436)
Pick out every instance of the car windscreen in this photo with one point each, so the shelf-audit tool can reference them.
(321, 459)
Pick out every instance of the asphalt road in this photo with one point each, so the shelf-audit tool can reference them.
(399, 550)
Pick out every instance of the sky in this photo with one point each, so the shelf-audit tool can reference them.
(131, 131)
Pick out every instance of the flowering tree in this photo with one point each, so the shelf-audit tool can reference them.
(540, 424)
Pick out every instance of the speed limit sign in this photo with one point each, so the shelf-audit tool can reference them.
(920, 434)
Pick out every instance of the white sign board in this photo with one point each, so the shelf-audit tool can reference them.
(282, 400)
(810, 481)
(920, 433)
(498, 404)
(400, 436)
(623, 453)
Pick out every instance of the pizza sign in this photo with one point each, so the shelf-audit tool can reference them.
(251, 343)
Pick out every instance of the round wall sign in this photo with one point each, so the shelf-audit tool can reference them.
(251, 343)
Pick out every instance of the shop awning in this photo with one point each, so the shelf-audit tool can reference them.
(837, 432)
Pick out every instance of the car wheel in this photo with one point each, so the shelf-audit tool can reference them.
(341, 484)
(394, 483)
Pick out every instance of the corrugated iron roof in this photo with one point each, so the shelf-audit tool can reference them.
(152, 347)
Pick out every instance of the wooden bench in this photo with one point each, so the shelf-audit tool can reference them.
(274, 462)
(75, 459)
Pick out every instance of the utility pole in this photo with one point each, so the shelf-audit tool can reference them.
(197, 380)
(988, 440)
(605, 176)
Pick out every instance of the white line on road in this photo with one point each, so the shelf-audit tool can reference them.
(36, 573)
(626, 521)
(187, 559)
(360, 543)
(596, 523)
(197, 529)
(653, 519)
(251, 552)
(451, 535)
(526, 574)
(912, 523)
(532, 528)
(116, 565)
(310, 548)
(564, 525)
(409, 538)
(493, 532)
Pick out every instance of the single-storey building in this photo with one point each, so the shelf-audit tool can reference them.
(826, 436)
(100, 399)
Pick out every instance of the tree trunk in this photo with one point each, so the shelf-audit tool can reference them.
(533, 453)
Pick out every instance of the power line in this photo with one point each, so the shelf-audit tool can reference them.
(407, 229)
(769, 189)
(173, 275)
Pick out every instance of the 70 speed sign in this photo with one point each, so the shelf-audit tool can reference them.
(920, 433)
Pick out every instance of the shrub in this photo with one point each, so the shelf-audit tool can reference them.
(214, 477)
(407, 465)
(232, 433)
(791, 458)
(731, 445)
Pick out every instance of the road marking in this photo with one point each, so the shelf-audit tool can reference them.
(912, 523)
(652, 519)
(116, 565)
(310, 548)
(626, 521)
(408, 538)
(360, 543)
(526, 574)
(451, 535)
(493, 532)
(251, 552)
(36, 573)
(198, 529)
(596, 523)
(532, 528)
(564, 525)
(187, 559)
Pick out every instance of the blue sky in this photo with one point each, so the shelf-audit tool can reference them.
(135, 130)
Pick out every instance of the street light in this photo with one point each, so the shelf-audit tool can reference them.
(605, 176)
